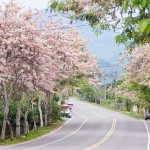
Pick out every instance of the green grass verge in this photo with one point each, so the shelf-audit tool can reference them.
(130, 114)
(127, 113)
(33, 134)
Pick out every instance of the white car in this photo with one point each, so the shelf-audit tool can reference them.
(70, 102)
(66, 112)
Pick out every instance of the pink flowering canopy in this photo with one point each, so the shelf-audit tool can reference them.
(36, 53)
(138, 69)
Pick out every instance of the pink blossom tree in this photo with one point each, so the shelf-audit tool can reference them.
(137, 75)
(35, 55)
(20, 46)
(139, 67)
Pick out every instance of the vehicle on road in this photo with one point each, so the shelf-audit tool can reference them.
(147, 114)
(70, 103)
(66, 111)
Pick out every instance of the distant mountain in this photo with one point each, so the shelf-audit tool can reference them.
(107, 51)
(102, 46)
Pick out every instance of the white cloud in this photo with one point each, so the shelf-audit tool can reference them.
(38, 4)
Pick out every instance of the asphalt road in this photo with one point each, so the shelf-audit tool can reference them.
(93, 128)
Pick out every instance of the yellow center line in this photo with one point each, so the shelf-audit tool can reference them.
(105, 138)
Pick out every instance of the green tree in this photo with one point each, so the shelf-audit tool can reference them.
(87, 92)
(131, 17)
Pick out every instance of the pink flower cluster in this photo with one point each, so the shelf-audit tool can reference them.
(35, 53)
(138, 69)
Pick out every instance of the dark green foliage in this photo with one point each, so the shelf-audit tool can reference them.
(33, 115)
(56, 98)
(56, 112)
(12, 113)
(87, 92)
(144, 91)
(63, 82)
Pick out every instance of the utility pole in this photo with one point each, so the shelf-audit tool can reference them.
(115, 87)
(105, 97)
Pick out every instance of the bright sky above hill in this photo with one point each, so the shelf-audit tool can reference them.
(38, 4)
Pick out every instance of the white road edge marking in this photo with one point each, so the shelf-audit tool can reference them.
(105, 138)
(147, 135)
(60, 138)
(96, 114)
(39, 137)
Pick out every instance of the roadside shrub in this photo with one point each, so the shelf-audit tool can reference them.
(56, 112)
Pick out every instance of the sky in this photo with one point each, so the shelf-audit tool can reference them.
(35, 4)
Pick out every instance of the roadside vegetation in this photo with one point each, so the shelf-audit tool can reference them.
(39, 61)
(34, 134)
(107, 97)
(131, 19)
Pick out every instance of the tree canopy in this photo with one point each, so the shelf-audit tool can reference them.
(129, 17)
(136, 79)
(35, 55)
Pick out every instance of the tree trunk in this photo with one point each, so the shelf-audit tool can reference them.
(18, 119)
(26, 127)
(127, 105)
(138, 107)
(72, 91)
(60, 97)
(40, 111)
(45, 115)
(26, 123)
(11, 130)
(50, 108)
(6, 110)
(35, 127)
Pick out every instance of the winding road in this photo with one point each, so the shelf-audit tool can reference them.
(93, 128)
